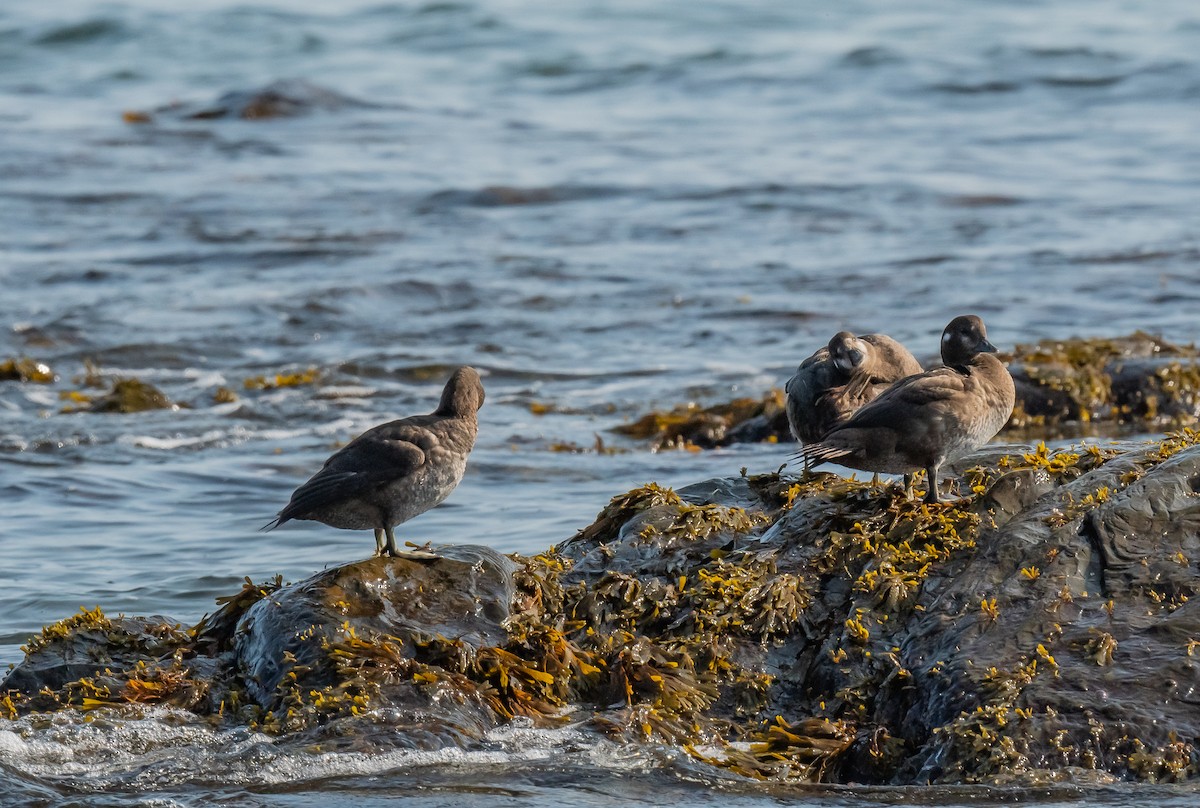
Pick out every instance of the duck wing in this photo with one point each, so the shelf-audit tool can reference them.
(858, 390)
(803, 394)
(907, 398)
(382, 455)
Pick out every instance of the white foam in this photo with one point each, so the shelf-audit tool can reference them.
(516, 742)
(236, 435)
(210, 438)
(42, 397)
(334, 428)
(345, 391)
(204, 379)
(13, 443)
(159, 747)
(167, 374)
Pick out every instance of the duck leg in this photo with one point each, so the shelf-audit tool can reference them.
(392, 549)
(378, 541)
(908, 486)
(931, 474)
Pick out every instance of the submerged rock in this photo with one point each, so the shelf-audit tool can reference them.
(131, 395)
(286, 98)
(507, 195)
(776, 627)
(1065, 389)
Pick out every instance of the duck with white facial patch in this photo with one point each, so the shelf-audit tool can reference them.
(929, 419)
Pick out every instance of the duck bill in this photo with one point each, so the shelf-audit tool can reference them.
(849, 362)
(985, 347)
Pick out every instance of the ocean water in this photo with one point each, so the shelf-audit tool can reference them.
(604, 206)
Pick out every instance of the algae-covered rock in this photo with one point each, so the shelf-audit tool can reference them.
(1139, 379)
(463, 594)
(1065, 389)
(67, 663)
(1064, 641)
(129, 396)
(811, 628)
(690, 426)
(24, 369)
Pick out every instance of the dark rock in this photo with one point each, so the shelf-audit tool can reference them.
(769, 425)
(1086, 665)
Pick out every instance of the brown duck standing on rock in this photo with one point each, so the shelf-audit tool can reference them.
(395, 471)
(926, 420)
(833, 383)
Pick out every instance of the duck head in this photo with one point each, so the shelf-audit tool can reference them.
(847, 351)
(964, 338)
(463, 394)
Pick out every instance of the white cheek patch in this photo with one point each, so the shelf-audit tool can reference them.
(946, 337)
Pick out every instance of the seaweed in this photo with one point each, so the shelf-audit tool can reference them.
(598, 447)
(280, 380)
(215, 632)
(85, 619)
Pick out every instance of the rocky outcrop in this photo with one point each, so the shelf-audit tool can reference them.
(817, 628)
(1065, 389)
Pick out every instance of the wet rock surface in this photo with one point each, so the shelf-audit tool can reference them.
(819, 629)
(465, 594)
(1065, 389)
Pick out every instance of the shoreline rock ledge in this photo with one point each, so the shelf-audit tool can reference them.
(1043, 628)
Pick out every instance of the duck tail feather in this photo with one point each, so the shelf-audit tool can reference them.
(821, 452)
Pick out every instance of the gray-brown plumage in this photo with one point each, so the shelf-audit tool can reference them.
(926, 420)
(833, 383)
(395, 471)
